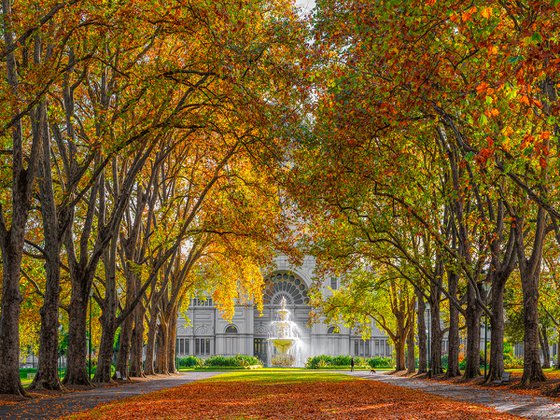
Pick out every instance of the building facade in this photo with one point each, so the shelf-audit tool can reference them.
(207, 333)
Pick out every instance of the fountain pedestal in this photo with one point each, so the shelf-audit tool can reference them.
(284, 338)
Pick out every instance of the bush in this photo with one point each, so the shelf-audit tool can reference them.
(513, 363)
(189, 362)
(324, 361)
(24, 371)
(380, 362)
(241, 360)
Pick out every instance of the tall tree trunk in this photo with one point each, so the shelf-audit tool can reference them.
(137, 342)
(162, 351)
(149, 368)
(125, 344)
(12, 237)
(558, 348)
(108, 316)
(422, 338)
(47, 371)
(400, 353)
(453, 334)
(545, 346)
(436, 336)
(410, 357)
(472, 319)
(9, 327)
(532, 369)
(496, 368)
(171, 340)
(105, 354)
(76, 373)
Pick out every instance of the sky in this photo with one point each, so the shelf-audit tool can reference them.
(307, 5)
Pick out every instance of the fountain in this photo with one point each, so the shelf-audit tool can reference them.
(285, 339)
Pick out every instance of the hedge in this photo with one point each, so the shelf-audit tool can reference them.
(240, 360)
(325, 361)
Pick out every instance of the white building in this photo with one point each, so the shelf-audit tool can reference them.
(248, 332)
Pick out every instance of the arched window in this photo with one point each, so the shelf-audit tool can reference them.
(284, 284)
(231, 329)
(332, 330)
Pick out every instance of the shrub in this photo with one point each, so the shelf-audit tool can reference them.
(188, 362)
(513, 363)
(324, 361)
(23, 372)
(241, 360)
(380, 362)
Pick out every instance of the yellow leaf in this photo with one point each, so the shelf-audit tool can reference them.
(486, 12)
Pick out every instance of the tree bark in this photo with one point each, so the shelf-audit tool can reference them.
(453, 334)
(472, 319)
(137, 343)
(171, 346)
(496, 368)
(149, 368)
(435, 337)
(108, 316)
(12, 237)
(76, 373)
(162, 352)
(545, 346)
(529, 269)
(400, 353)
(422, 338)
(47, 371)
(558, 348)
(410, 357)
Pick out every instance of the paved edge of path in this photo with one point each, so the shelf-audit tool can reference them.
(506, 402)
(79, 401)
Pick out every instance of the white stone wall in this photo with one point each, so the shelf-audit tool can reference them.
(208, 324)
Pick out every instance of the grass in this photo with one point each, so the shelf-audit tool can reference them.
(281, 376)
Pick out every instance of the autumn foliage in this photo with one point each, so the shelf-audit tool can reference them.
(361, 399)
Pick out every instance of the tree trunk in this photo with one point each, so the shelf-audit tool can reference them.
(149, 368)
(472, 319)
(12, 238)
(410, 357)
(47, 371)
(162, 351)
(125, 344)
(172, 338)
(532, 369)
(76, 373)
(558, 349)
(400, 353)
(422, 338)
(453, 334)
(496, 368)
(9, 327)
(105, 356)
(108, 317)
(137, 342)
(545, 346)
(435, 339)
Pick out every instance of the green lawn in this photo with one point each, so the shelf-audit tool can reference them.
(281, 375)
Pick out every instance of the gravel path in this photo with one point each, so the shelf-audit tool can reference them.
(504, 401)
(75, 402)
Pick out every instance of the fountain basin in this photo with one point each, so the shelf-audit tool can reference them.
(283, 344)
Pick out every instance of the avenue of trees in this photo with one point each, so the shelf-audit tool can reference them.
(139, 151)
(155, 150)
(430, 175)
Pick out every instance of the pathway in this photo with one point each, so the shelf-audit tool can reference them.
(75, 402)
(504, 401)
